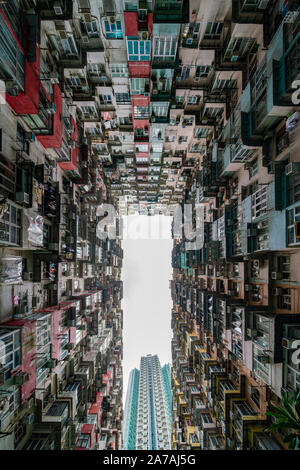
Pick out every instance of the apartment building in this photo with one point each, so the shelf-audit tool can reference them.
(148, 408)
(148, 105)
(60, 287)
(235, 295)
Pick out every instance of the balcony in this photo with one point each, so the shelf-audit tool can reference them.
(171, 12)
(252, 12)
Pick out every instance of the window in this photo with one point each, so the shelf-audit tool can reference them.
(201, 132)
(202, 71)
(253, 170)
(69, 46)
(259, 202)
(119, 70)
(255, 396)
(188, 122)
(143, 148)
(293, 224)
(96, 69)
(10, 354)
(213, 30)
(223, 84)
(89, 110)
(123, 97)
(10, 226)
(138, 50)
(78, 84)
(105, 99)
(41, 123)
(293, 189)
(193, 99)
(125, 121)
(141, 132)
(238, 47)
(141, 112)
(252, 5)
(190, 34)
(165, 47)
(11, 58)
(160, 109)
(185, 72)
(284, 300)
(179, 99)
(92, 29)
(24, 144)
(283, 266)
(156, 148)
(139, 86)
(113, 29)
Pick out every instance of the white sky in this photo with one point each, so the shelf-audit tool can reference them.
(146, 303)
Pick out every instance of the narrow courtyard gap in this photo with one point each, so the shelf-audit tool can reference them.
(147, 270)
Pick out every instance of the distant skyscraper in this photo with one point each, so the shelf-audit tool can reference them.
(148, 407)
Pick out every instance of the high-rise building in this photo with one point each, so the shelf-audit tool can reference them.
(148, 416)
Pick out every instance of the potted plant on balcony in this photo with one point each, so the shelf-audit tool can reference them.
(287, 418)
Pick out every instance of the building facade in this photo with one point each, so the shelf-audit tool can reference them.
(148, 105)
(236, 292)
(60, 284)
(147, 415)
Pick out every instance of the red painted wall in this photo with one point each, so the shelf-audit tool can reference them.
(139, 69)
(131, 23)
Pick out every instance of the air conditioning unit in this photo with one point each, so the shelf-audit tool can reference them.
(28, 276)
(20, 378)
(57, 8)
(276, 276)
(277, 291)
(51, 363)
(22, 197)
(85, 39)
(53, 246)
